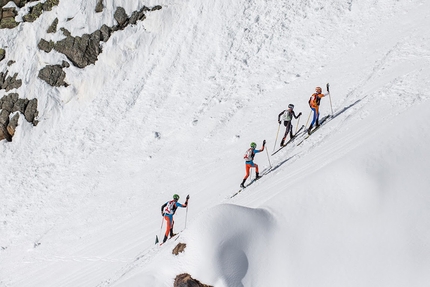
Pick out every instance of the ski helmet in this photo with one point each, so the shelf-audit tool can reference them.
(253, 145)
(291, 106)
(318, 89)
(175, 196)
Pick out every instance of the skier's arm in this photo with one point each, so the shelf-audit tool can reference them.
(185, 204)
(296, 117)
(162, 208)
(264, 143)
(279, 116)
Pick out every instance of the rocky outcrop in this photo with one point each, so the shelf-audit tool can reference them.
(53, 27)
(54, 75)
(179, 248)
(185, 280)
(45, 45)
(10, 108)
(7, 15)
(18, 3)
(99, 6)
(84, 50)
(2, 54)
(8, 83)
(81, 51)
(7, 18)
(38, 9)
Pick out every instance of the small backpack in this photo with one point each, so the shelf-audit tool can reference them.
(249, 155)
(314, 98)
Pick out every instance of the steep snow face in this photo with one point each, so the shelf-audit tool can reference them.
(170, 107)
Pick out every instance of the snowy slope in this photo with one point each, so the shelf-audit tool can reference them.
(170, 107)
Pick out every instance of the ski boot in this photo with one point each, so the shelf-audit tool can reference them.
(242, 185)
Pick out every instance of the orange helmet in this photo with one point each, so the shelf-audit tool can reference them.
(318, 89)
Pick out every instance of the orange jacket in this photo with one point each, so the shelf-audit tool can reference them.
(315, 99)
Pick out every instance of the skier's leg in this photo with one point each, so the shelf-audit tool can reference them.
(313, 120)
(247, 167)
(168, 226)
(289, 130)
(285, 137)
(256, 171)
(317, 116)
(171, 229)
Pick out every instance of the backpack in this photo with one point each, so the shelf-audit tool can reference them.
(315, 99)
(170, 207)
(249, 155)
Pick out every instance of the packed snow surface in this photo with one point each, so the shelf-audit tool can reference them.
(171, 106)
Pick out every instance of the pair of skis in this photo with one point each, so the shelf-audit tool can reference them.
(265, 171)
(291, 139)
(323, 121)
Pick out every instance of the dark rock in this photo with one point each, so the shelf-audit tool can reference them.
(34, 13)
(121, 17)
(4, 117)
(105, 33)
(8, 102)
(31, 112)
(81, 51)
(53, 75)
(47, 6)
(19, 3)
(2, 54)
(45, 45)
(65, 64)
(99, 6)
(66, 32)
(179, 248)
(10, 62)
(13, 123)
(4, 134)
(8, 83)
(20, 105)
(7, 19)
(53, 27)
(185, 280)
(13, 104)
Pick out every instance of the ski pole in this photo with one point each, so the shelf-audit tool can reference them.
(186, 217)
(298, 121)
(276, 136)
(308, 118)
(268, 158)
(161, 229)
(186, 212)
(329, 96)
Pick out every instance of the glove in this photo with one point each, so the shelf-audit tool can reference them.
(300, 114)
(162, 213)
(279, 122)
(188, 197)
(264, 142)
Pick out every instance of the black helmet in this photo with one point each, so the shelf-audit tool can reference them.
(291, 106)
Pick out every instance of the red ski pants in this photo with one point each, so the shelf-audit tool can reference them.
(169, 223)
(248, 166)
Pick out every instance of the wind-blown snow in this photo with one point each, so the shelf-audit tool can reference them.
(171, 106)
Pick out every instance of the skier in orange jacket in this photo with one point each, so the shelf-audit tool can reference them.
(314, 103)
